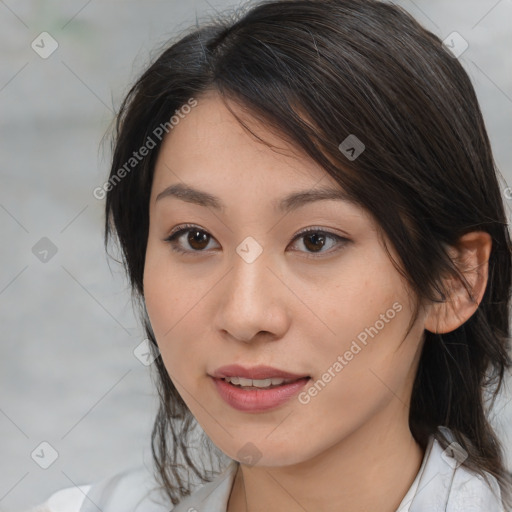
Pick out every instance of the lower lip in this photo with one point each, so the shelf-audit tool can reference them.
(258, 400)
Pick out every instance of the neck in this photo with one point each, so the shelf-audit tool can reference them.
(371, 469)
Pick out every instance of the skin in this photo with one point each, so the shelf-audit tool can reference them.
(349, 448)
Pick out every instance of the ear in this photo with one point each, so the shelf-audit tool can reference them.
(471, 255)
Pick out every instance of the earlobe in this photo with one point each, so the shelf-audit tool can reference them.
(471, 255)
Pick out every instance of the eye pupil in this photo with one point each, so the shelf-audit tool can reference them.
(315, 237)
(193, 237)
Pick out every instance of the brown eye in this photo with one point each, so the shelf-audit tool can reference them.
(196, 239)
(314, 240)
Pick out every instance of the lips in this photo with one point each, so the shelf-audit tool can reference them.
(255, 372)
(258, 400)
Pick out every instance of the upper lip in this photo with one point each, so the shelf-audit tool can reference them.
(254, 372)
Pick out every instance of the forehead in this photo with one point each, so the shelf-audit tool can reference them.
(209, 147)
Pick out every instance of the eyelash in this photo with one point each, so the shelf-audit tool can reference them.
(176, 234)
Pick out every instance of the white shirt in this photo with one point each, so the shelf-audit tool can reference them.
(441, 485)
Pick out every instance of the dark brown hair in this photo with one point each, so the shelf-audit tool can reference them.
(317, 72)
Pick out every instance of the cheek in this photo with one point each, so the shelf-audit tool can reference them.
(175, 305)
(365, 312)
(166, 302)
(354, 301)
(166, 293)
(356, 380)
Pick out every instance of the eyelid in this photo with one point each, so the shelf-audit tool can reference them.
(316, 229)
(182, 227)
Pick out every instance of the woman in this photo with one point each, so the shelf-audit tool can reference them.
(306, 202)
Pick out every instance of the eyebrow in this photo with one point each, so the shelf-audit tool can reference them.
(288, 203)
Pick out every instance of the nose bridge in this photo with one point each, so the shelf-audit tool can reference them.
(250, 301)
(250, 275)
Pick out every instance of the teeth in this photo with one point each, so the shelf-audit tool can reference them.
(258, 383)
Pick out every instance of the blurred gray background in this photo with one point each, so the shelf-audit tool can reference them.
(68, 372)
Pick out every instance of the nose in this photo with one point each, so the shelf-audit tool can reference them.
(252, 300)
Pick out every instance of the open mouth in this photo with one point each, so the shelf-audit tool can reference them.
(260, 384)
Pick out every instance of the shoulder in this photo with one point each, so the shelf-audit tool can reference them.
(470, 492)
(447, 485)
(136, 490)
(213, 495)
(68, 500)
(132, 490)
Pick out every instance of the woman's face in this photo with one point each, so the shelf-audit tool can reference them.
(250, 288)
